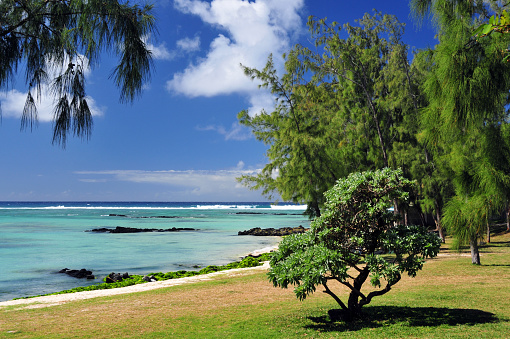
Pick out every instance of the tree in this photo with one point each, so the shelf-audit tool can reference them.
(55, 41)
(340, 108)
(426, 164)
(302, 132)
(467, 91)
(346, 244)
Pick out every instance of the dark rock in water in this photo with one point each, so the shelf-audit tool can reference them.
(116, 277)
(80, 274)
(281, 213)
(149, 217)
(273, 232)
(120, 229)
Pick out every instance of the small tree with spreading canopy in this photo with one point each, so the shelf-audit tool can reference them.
(356, 238)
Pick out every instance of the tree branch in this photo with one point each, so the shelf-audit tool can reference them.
(334, 296)
(357, 292)
(385, 290)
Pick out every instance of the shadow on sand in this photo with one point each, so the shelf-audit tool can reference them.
(378, 316)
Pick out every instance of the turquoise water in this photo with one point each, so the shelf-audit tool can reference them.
(39, 239)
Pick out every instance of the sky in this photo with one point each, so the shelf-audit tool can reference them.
(179, 141)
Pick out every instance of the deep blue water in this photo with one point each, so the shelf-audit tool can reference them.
(37, 239)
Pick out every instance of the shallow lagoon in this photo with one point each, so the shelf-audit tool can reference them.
(39, 239)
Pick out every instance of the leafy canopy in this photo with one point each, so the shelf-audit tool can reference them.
(346, 105)
(57, 41)
(346, 244)
(467, 90)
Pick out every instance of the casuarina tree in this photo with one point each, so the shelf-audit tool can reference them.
(465, 120)
(347, 104)
(55, 42)
(354, 241)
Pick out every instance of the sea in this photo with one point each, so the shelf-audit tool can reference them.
(38, 239)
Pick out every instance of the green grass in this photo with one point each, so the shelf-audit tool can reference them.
(449, 298)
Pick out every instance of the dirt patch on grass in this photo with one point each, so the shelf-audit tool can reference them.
(234, 295)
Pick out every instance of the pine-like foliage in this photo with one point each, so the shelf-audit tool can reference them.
(342, 106)
(467, 90)
(56, 41)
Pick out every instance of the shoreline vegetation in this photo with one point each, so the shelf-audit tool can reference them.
(252, 260)
(238, 303)
(119, 280)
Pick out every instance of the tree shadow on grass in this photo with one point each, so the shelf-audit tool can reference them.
(496, 244)
(379, 316)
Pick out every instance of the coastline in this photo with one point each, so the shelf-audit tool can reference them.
(59, 299)
(35, 234)
(260, 251)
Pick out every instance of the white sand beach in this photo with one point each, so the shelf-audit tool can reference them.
(52, 300)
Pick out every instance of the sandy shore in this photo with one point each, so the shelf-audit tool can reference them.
(52, 300)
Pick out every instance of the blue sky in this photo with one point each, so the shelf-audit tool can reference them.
(180, 141)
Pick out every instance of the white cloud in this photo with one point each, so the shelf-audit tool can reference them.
(236, 131)
(161, 52)
(190, 184)
(251, 31)
(188, 44)
(13, 102)
(240, 165)
(261, 101)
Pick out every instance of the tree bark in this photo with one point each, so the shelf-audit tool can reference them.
(508, 217)
(475, 254)
(353, 306)
(328, 291)
(439, 228)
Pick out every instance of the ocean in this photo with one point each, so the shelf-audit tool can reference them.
(37, 239)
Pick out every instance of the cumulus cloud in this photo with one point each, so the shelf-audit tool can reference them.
(161, 52)
(251, 30)
(236, 131)
(190, 184)
(189, 45)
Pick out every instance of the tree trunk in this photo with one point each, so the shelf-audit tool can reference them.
(396, 211)
(353, 306)
(475, 254)
(508, 218)
(439, 228)
(488, 233)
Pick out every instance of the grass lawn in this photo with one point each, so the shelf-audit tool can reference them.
(449, 298)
